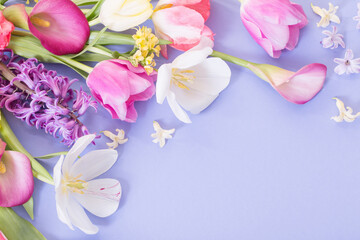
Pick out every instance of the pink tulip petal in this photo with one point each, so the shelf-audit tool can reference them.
(6, 29)
(201, 6)
(17, 183)
(116, 84)
(294, 37)
(68, 29)
(2, 236)
(181, 25)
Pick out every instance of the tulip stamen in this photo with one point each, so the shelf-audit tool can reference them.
(74, 184)
(39, 22)
(2, 168)
(180, 77)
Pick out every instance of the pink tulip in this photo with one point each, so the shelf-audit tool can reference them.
(6, 28)
(296, 87)
(60, 25)
(16, 179)
(116, 84)
(274, 25)
(182, 22)
(2, 236)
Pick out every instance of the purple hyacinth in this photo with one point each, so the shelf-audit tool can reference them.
(43, 99)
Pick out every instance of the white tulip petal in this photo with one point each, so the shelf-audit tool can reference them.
(177, 110)
(193, 100)
(94, 164)
(163, 83)
(101, 197)
(191, 58)
(79, 218)
(76, 150)
(62, 200)
(211, 77)
(121, 15)
(57, 171)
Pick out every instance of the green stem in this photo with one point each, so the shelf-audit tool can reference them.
(99, 51)
(94, 22)
(76, 64)
(232, 59)
(14, 144)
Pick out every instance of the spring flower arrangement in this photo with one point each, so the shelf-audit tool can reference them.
(62, 32)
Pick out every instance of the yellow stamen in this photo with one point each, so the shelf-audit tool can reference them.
(2, 168)
(180, 77)
(74, 184)
(39, 22)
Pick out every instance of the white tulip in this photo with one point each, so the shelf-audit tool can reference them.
(192, 81)
(121, 15)
(75, 188)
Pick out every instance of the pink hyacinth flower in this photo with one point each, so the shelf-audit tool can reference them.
(275, 25)
(16, 179)
(6, 28)
(116, 84)
(182, 22)
(60, 25)
(296, 87)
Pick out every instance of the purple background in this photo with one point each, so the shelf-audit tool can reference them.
(252, 166)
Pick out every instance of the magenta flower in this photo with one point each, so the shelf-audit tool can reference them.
(16, 179)
(296, 87)
(60, 25)
(274, 25)
(117, 84)
(6, 28)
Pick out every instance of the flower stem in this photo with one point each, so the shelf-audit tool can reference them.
(232, 59)
(13, 143)
(76, 64)
(94, 22)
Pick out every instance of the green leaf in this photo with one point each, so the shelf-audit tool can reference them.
(95, 11)
(29, 207)
(85, 2)
(16, 228)
(91, 57)
(52, 155)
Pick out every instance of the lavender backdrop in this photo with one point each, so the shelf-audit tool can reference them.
(252, 166)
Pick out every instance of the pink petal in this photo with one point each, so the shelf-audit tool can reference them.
(294, 37)
(6, 28)
(181, 25)
(201, 6)
(2, 236)
(17, 183)
(68, 28)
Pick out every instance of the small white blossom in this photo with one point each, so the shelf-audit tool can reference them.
(333, 39)
(357, 18)
(117, 139)
(344, 113)
(160, 134)
(348, 64)
(327, 16)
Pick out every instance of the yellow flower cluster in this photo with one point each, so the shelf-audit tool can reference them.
(146, 45)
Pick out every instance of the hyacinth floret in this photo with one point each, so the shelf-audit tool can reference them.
(43, 99)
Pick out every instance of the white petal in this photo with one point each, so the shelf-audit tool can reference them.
(57, 174)
(211, 77)
(120, 15)
(79, 218)
(163, 82)
(177, 110)
(191, 58)
(102, 197)
(193, 100)
(76, 150)
(94, 164)
(62, 202)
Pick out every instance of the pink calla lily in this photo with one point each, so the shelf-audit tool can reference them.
(16, 179)
(60, 26)
(296, 87)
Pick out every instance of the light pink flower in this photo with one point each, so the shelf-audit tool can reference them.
(117, 84)
(182, 22)
(274, 25)
(357, 17)
(6, 28)
(60, 25)
(348, 64)
(296, 87)
(333, 39)
(16, 179)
